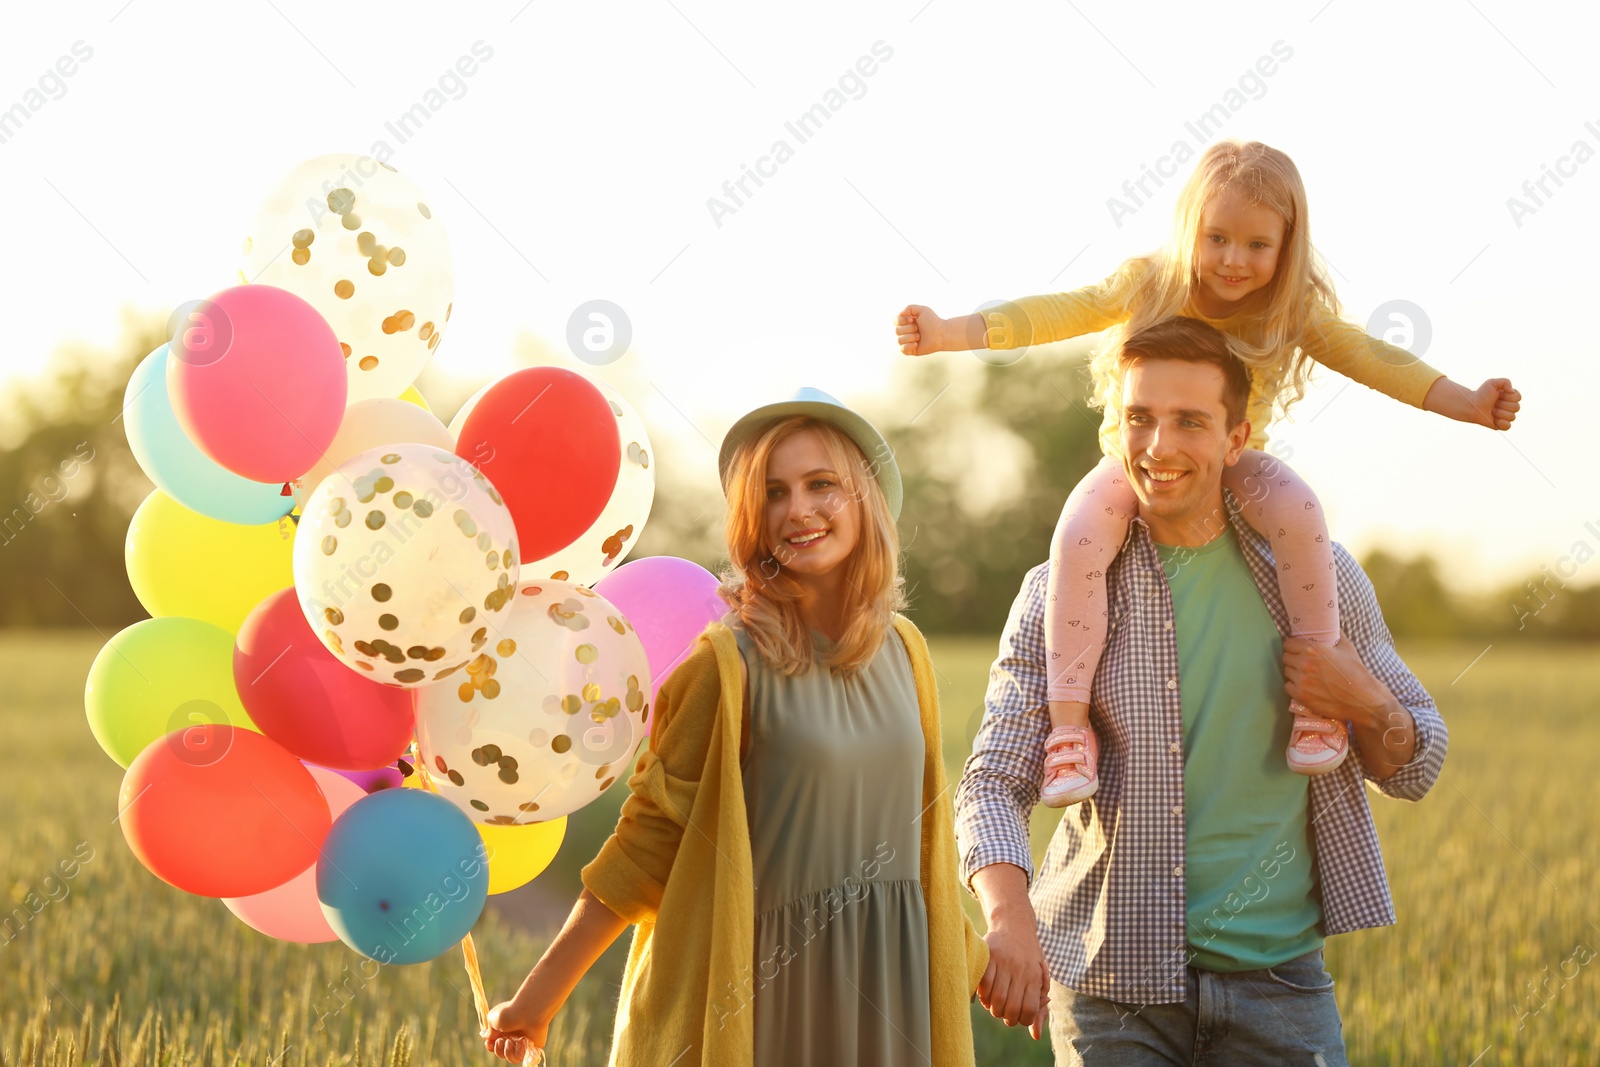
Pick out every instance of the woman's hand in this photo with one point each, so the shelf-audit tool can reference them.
(523, 1022)
(515, 1027)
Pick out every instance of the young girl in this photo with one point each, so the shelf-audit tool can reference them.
(1241, 258)
(788, 851)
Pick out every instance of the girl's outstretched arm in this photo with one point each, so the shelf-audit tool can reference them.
(524, 1020)
(1493, 404)
(1013, 324)
(920, 332)
(1350, 350)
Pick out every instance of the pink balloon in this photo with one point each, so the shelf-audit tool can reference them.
(306, 699)
(290, 912)
(669, 601)
(257, 381)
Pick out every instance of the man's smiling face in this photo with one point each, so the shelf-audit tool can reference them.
(1175, 443)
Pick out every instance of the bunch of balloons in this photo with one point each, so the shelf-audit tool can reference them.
(346, 595)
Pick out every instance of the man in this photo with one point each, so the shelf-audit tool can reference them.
(1182, 909)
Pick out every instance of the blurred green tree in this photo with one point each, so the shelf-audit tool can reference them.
(988, 455)
(68, 486)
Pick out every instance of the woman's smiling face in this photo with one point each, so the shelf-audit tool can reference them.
(812, 522)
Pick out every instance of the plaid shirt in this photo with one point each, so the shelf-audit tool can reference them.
(1110, 898)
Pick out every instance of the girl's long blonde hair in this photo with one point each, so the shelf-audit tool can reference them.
(763, 593)
(1151, 288)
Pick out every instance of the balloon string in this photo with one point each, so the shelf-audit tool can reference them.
(469, 951)
(480, 1000)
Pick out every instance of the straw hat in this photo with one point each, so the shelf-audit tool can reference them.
(820, 406)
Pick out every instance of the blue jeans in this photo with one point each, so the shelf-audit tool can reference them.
(1281, 1015)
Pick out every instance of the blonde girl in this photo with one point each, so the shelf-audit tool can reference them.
(1240, 257)
(787, 851)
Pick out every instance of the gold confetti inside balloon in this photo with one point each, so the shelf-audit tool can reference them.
(359, 242)
(371, 424)
(614, 533)
(405, 562)
(547, 717)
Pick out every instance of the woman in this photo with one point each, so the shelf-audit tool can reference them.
(787, 853)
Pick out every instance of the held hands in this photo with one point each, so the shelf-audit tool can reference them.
(516, 1033)
(1016, 985)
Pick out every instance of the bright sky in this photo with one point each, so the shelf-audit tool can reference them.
(974, 163)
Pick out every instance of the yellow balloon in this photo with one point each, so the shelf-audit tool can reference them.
(183, 563)
(413, 397)
(517, 854)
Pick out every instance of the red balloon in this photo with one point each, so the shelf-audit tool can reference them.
(221, 812)
(306, 699)
(548, 440)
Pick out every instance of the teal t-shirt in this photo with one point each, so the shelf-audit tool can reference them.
(1252, 899)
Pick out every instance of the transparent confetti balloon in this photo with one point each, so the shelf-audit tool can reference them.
(405, 561)
(547, 717)
(612, 536)
(359, 242)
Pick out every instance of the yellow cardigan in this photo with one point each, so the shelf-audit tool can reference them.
(1329, 340)
(679, 867)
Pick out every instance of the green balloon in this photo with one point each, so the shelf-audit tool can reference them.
(158, 676)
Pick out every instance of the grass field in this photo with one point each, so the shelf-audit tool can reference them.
(1493, 876)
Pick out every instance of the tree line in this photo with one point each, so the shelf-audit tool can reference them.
(987, 454)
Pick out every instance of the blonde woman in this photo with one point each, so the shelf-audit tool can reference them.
(1240, 258)
(787, 855)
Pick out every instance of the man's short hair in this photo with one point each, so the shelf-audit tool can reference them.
(1191, 341)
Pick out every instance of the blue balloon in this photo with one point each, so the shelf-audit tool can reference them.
(402, 876)
(175, 463)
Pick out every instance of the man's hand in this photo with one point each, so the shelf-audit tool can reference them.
(1016, 985)
(1331, 681)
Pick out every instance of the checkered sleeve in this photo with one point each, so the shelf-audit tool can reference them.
(1363, 623)
(1000, 783)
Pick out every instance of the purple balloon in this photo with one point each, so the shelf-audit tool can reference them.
(369, 781)
(669, 601)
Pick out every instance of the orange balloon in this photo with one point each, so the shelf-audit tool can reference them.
(221, 812)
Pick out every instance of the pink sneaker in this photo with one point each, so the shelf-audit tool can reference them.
(1317, 745)
(1072, 754)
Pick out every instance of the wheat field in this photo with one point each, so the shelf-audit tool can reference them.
(1493, 877)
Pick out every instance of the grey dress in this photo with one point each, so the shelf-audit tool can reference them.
(833, 790)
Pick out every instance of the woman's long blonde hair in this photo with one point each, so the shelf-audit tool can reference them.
(763, 593)
(1155, 287)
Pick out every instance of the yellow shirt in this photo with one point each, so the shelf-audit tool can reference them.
(690, 894)
(1329, 340)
